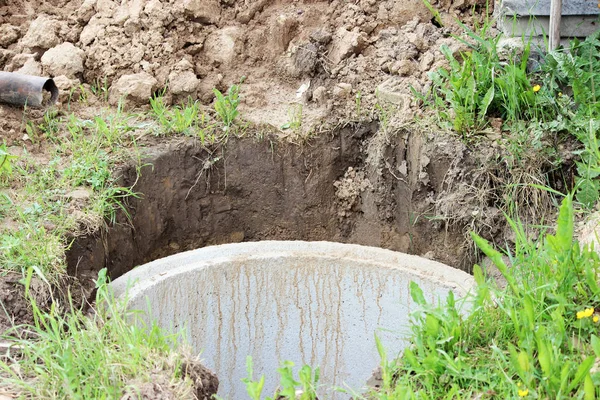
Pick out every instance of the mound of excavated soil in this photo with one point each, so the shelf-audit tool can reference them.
(322, 54)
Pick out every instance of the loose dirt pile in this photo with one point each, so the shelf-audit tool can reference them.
(335, 58)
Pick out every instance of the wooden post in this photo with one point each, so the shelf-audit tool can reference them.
(555, 14)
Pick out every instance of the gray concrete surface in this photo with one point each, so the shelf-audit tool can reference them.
(571, 26)
(531, 18)
(318, 303)
(542, 7)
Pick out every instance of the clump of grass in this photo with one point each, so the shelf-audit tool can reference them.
(32, 245)
(82, 155)
(574, 76)
(537, 338)
(226, 105)
(5, 163)
(482, 84)
(100, 88)
(295, 117)
(77, 356)
(560, 94)
(184, 119)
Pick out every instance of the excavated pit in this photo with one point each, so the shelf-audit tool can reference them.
(249, 190)
(337, 187)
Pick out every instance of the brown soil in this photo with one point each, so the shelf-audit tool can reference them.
(162, 387)
(337, 50)
(254, 190)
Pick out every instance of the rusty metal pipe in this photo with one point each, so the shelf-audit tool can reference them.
(27, 90)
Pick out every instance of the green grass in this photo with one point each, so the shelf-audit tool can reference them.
(37, 198)
(537, 338)
(226, 105)
(6, 160)
(295, 117)
(574, 77)
(482, 84)
(98, 356)
(80, 157)
(186, 119)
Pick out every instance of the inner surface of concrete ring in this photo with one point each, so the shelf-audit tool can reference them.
(316, 303)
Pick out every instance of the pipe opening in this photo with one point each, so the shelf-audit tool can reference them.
(50, 93)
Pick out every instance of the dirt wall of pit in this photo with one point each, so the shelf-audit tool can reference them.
(250, 190)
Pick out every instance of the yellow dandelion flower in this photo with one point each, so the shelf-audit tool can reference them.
(596, 318)
(585, 313)
(559, 94)
(537, 88)
(523, 392)
(589, 312)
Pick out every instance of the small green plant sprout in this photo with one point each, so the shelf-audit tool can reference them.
(185, 116)
(358, 103)
(295, 117)
(385, 111)
(100, 88)
(5, 161)
(435, 13)
(160, 111)
(180, 119)
(253, 388)
(83, 94)
(226, 106)
(289, 388)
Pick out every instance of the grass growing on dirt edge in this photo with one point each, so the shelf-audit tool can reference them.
(72, 188)
(98, 356)
(69, 190)
(537, 338)
(531, 110)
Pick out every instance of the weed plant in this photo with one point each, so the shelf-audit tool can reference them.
(483, 84)
(537, 338)
(295, 117)
(5, 163)
(98, 356)
(226, 105)
(575, 76)
(186, 119)
(559, 98)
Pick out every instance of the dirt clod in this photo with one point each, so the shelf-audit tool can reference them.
(135, 89)
(64, 59)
